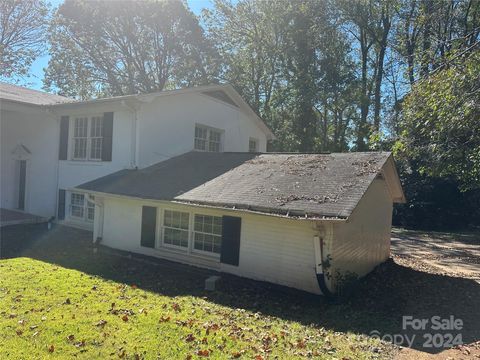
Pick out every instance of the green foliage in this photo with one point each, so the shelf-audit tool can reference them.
(441, 127)
(104, 48)
(22, 35)
(53, 311)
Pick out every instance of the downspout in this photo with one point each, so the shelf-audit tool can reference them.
(100, 218)
(319, 267)
(134, 136)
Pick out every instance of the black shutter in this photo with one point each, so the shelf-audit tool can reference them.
(149, 223)
(61, 204)
(63, 151)
(231, 227)
(107, 136)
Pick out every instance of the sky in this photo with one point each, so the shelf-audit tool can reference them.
(36, 70)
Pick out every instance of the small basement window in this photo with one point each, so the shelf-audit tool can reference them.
(175, 228)
(207, 233)
(253, 145)
(81, 208)
(208, 139)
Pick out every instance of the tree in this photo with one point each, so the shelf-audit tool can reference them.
(441, 131)
(22, 35)
(124, 47)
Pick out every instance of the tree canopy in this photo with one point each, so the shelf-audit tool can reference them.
(22, 35)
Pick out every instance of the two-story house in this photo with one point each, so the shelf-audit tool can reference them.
(183, 175)
(50, 144)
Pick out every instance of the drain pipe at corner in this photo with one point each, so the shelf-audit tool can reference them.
(319, 268)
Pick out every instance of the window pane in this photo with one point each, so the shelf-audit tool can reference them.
(175, 228)
(207, 233)
(77, 205)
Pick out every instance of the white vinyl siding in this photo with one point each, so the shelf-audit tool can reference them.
(272, 249)
(208, 139)
(87, 138)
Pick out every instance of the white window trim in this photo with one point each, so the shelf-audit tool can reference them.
(209, 253)
(84, 218)
(189, 250)
(162, 227)
(89, 137)
(207, 140)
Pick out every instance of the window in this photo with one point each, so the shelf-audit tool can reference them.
(175, 228)
(81, 208)
(207, 139)
(88, 138)
(207, 233)
(253, 145)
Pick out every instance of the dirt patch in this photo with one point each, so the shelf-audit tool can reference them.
(449, 256)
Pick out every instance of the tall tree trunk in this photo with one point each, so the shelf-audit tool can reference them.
(386, 24)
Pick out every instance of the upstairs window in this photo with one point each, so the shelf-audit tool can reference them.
(253, 145)
(207, 139)
(88, 138)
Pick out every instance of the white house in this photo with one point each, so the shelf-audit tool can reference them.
(50, 144)
(184, 175)
(308, 221)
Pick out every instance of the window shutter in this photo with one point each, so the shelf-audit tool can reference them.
(149, 224)
(107, 136)
(61, 204)
(230, 252)
(63, 151)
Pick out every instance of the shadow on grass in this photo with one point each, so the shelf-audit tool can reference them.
(378, 303)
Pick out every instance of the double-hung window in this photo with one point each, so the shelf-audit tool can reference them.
(207, 139)
(81, 208)
(88, 138)
(175, 228)
(207, 233)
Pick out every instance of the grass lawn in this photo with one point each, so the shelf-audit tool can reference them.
(58, 299)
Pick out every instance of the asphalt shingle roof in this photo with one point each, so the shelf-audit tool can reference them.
(29, 96)
(313, 185)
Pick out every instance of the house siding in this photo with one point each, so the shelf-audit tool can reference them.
(272, 249)
(167, 126)
(363, 242)
(38, 131)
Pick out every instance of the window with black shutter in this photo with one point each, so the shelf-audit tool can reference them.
(149, 224)
(231, 229)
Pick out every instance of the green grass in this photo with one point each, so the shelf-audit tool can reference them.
(49, 311)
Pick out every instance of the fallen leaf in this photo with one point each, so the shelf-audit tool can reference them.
(51, 348)
(125, 317)
(236, 355)
(67, 301)
(203, 353)
(176, 307)
(164, 319)
(102, 322)
(70, 337)
(190, 338)
(19, 332)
